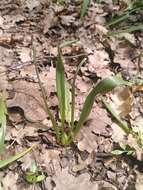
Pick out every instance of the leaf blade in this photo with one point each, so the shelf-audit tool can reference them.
(60, 86)
(102, 87)
(11, 159)
(84, 8)
(3, 112)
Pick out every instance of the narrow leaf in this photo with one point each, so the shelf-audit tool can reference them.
(118, 152)
(73, 92)
(84, 8)
(118, 20)
(67, 103)
(67, 43)
(102, 87)
(60, 85)
(128, 29)
(11, 159)
(122, 124)
(3, 112)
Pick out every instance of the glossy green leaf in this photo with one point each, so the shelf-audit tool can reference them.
(84, 8)
(3, 112)
(102, 87)
(11, 159)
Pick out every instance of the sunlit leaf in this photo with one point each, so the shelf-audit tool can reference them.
(118, 152)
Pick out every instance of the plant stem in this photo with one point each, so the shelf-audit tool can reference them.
(73, 92)
(121, 123)
(44, 96)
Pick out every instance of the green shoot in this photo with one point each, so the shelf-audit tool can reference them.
(102, 87)
(3, 112)
(73, 92)
(34, 175)
(66, 131)
(84, 8)
(11, 159)
(122, 124)
(60, 85)
(128, 29)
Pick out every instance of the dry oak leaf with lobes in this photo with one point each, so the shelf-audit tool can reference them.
(28, 98)
(98, 63)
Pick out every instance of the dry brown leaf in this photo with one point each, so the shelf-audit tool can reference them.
(98, 63)
(49, 21)
(118, 135)
(122, 101)
(139, 181)
(63, 180)
(96, 124)
(28, 98)
(24, 54)
(10, 180)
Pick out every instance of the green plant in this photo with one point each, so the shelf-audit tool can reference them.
(34, 175)
(3, 113)
(131, 11)
(11, 159)
(84, 8)
(66, 129)
(123, 149)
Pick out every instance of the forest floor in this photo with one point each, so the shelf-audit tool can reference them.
(88, 164)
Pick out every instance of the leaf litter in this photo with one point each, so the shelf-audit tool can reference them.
(89, 164)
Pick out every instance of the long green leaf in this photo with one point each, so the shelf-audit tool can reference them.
(60, 85)
(67, 43)
(102, 87)
(84, 8)
(73, 92)
(122, 124)
(11, 159)
(128, 29)
(3, 112)
(67, 102)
